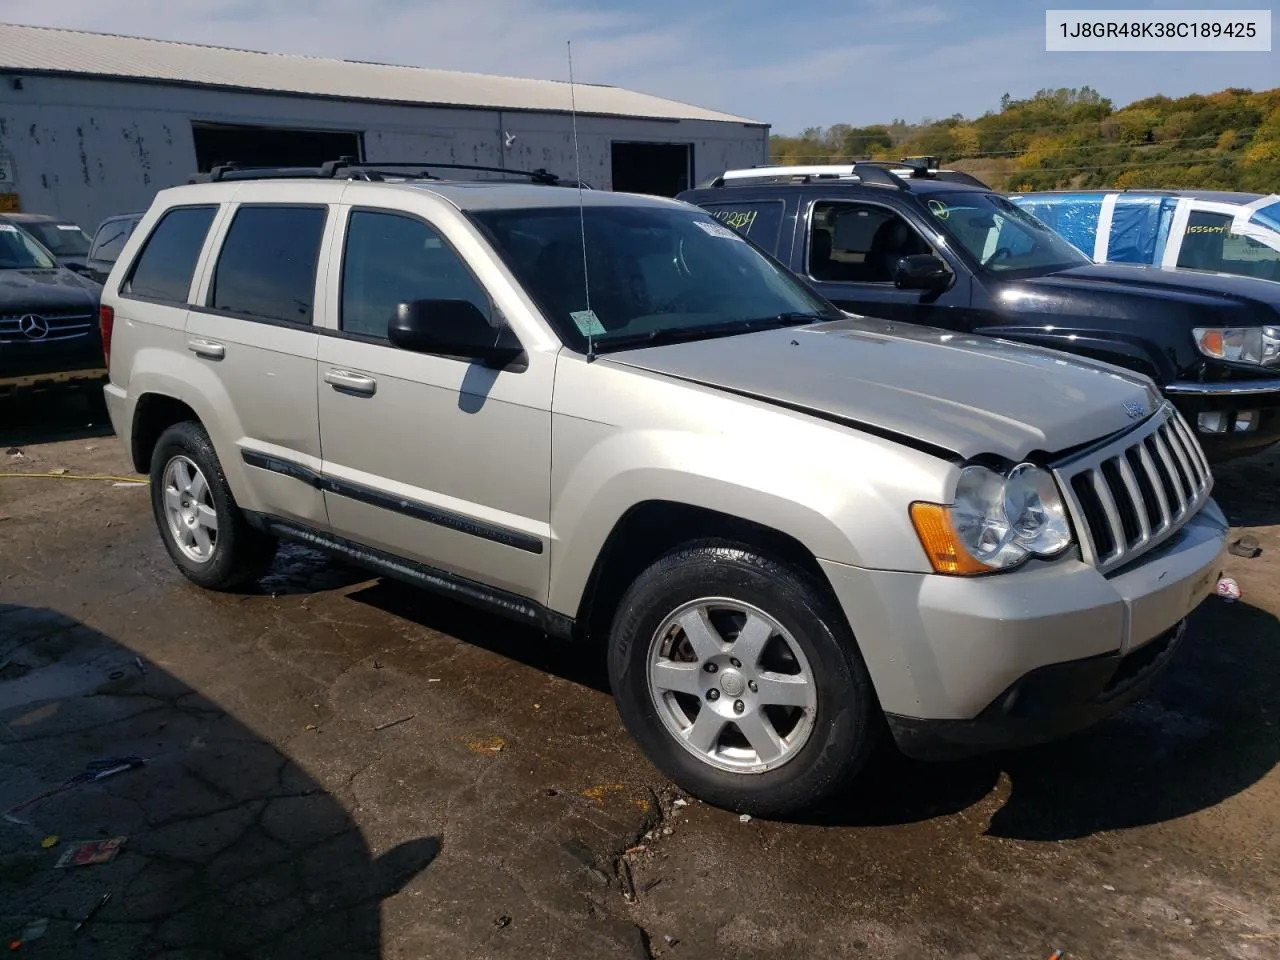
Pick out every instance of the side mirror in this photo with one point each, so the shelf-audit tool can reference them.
(453, 328)
(921, 271)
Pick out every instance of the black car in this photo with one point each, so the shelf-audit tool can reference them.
(108, 240)
(923, 250)
(64, 239)
(48, 318)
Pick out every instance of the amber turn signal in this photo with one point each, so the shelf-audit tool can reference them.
(940, 542)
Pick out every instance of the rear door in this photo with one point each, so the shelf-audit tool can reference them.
(254, 338)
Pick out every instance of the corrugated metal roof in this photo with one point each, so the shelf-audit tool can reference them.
(50, 50)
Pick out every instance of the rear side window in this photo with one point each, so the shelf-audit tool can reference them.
(1202, 243)
(267, 267)
(759, 221)
(164, 269)
(110, 240)
(392, 259)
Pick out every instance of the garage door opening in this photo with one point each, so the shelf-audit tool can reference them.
(662, 169)
(254, 146)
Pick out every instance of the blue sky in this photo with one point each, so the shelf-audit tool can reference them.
(794, 65)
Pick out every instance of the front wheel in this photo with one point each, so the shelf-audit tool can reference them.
(737, 676)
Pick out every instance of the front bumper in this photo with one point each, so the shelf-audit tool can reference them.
(43, 365)
(966, 665)
(1259, 398)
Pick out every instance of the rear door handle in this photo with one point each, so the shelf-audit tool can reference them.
(344, 381)
(207, 349)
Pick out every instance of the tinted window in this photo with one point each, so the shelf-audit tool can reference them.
(859, 242)
(110, 239)
(164, 269)
(1209, 244)
(761, 222)
(267, 267)
(392, 259)
(1202, 242)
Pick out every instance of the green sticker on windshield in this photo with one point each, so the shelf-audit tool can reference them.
(588, 323)
(939, 209)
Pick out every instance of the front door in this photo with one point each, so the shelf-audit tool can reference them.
(430, 458)
(852, 249)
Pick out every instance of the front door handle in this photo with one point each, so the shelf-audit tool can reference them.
(344, 381)
(206, 348)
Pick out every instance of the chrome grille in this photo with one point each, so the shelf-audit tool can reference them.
(62, 326)
(1129, 495)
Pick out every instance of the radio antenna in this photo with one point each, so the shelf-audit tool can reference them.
(582, 214)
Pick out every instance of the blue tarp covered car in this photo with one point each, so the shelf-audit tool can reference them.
(1217, 231)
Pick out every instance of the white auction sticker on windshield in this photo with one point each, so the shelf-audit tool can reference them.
(588, 323)
(8, 228)
(67, 226)
(715, 230)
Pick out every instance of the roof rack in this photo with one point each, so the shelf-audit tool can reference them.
(351, 169)
(861, 171)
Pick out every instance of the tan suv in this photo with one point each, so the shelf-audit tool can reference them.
(611, 417)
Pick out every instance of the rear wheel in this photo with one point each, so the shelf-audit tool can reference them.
(201, 525)
(739, 679)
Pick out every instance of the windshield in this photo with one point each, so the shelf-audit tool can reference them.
(62, 239)
(656, 274)
(1000, 235)
(20, 252)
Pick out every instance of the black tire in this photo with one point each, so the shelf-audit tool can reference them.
(847, 721)
(240, 553)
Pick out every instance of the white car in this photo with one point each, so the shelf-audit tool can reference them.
(1195, 229)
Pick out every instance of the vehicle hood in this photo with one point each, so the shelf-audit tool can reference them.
(953, 393)
(56, 289)
(1162, 283)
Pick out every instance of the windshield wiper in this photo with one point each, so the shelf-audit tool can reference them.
(655, 338)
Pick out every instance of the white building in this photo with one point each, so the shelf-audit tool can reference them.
(92, 124)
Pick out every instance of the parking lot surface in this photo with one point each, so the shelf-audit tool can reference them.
(343, 767)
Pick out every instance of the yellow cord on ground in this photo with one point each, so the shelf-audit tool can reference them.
(77, 476)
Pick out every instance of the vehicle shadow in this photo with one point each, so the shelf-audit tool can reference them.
(575, 662)
(232, 848)
(46, 417)
(1247, 491)
(1206, 732)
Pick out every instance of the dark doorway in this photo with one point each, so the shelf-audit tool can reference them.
(663, 169)
(255, 146)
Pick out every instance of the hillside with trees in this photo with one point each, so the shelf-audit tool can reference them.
(1076, 138)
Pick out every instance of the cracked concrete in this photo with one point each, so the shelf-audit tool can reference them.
(273, 820)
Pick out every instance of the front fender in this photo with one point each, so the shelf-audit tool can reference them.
(842, 495)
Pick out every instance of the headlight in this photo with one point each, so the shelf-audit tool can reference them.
(995, 521)
(1259, 345)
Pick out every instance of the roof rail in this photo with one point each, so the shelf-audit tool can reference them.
(861, 171)
(352, 169)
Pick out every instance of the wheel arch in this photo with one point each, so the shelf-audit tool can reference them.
(652, 528)
(153, 414)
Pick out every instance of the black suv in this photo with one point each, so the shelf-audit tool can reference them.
(921, 249)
